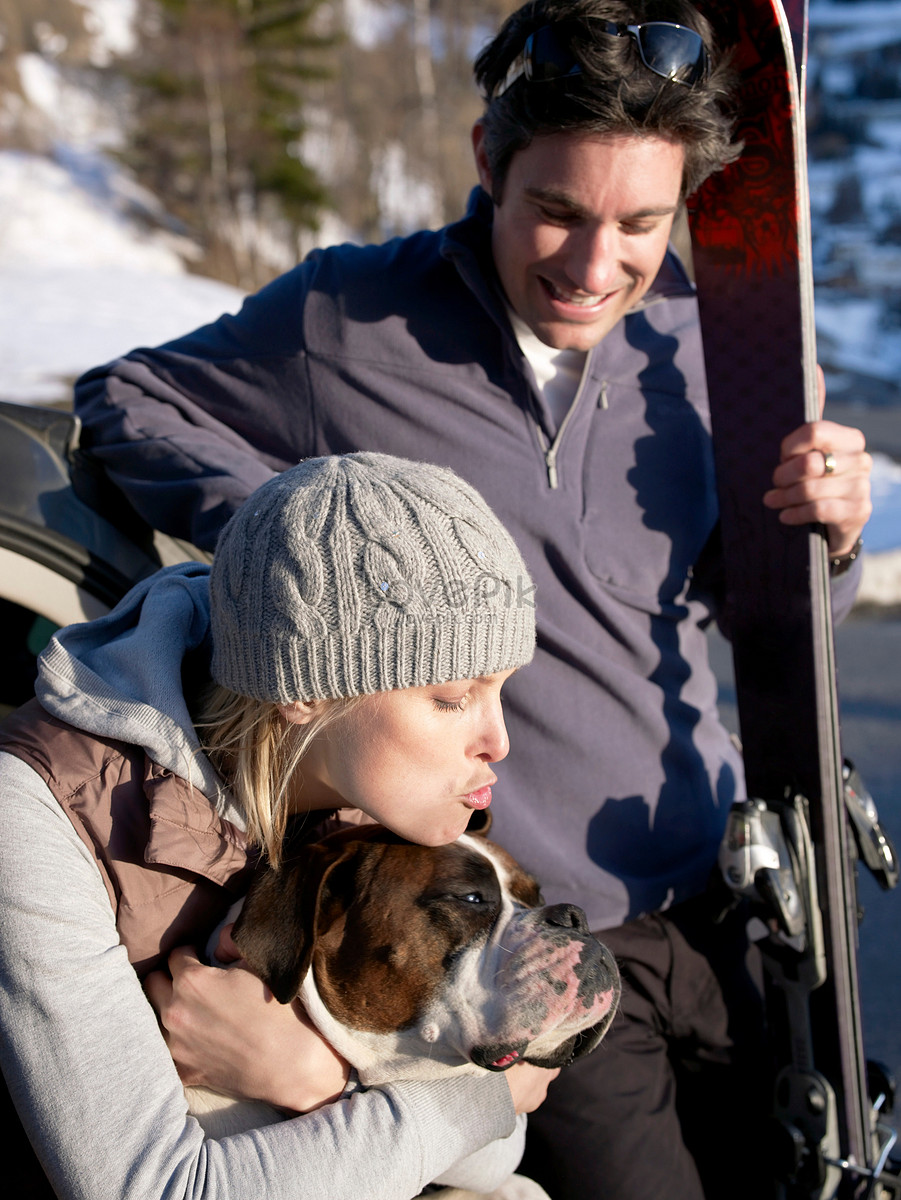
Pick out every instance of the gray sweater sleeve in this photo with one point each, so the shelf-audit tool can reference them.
(98, 1093)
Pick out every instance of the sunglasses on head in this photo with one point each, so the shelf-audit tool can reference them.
(674, 52)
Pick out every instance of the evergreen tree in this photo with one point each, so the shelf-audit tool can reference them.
(219, 89)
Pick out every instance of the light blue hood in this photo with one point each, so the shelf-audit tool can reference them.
(120, 675)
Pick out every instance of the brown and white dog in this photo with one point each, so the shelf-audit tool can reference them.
(420, 962)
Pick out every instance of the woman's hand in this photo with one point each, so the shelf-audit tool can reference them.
(225, 1030)
(528, 1085)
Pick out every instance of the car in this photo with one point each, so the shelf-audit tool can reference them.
(70, 544)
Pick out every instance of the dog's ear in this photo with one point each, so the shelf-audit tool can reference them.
(284, 911)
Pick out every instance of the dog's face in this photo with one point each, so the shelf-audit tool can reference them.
(414, 961)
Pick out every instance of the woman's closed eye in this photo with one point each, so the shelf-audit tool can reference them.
(445, 704)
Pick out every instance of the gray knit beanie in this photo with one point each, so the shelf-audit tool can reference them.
(363, 573)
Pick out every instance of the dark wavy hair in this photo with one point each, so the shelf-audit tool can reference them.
(615, 93)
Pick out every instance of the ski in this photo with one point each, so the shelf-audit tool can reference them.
(790, 847)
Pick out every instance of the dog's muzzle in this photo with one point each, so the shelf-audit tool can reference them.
(560, 986)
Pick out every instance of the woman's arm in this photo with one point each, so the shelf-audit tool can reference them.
(96, 1087)
(487, 1169)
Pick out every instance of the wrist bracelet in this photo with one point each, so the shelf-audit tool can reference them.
(841, 564)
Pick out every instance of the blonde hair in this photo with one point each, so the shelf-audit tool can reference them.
(257, 753)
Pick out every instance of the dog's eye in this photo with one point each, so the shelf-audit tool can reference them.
(472, 898)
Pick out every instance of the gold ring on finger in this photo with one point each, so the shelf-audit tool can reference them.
(828, 462)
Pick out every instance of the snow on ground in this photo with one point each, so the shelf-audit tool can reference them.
(78, 212)
(884, 527)
(83, 276)
(90, 263)
(854, 328)
(881, 584)
(55, 322)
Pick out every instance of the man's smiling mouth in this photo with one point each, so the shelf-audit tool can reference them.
(579, 299)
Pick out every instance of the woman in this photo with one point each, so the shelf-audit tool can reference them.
(346, 650)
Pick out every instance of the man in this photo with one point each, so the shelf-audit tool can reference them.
(547, 348)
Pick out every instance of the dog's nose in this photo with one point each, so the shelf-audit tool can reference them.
(566, 916)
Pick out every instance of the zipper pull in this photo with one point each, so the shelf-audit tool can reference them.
(550, 459)
(602, 398)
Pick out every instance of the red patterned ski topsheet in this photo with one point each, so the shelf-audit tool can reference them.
(746, 217)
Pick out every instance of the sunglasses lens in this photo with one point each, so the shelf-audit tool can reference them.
(672, 51)
(545, 59)
(669, 50)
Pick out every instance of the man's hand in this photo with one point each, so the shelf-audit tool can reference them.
(823, 477)
(806, 490)
(225, 1030)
